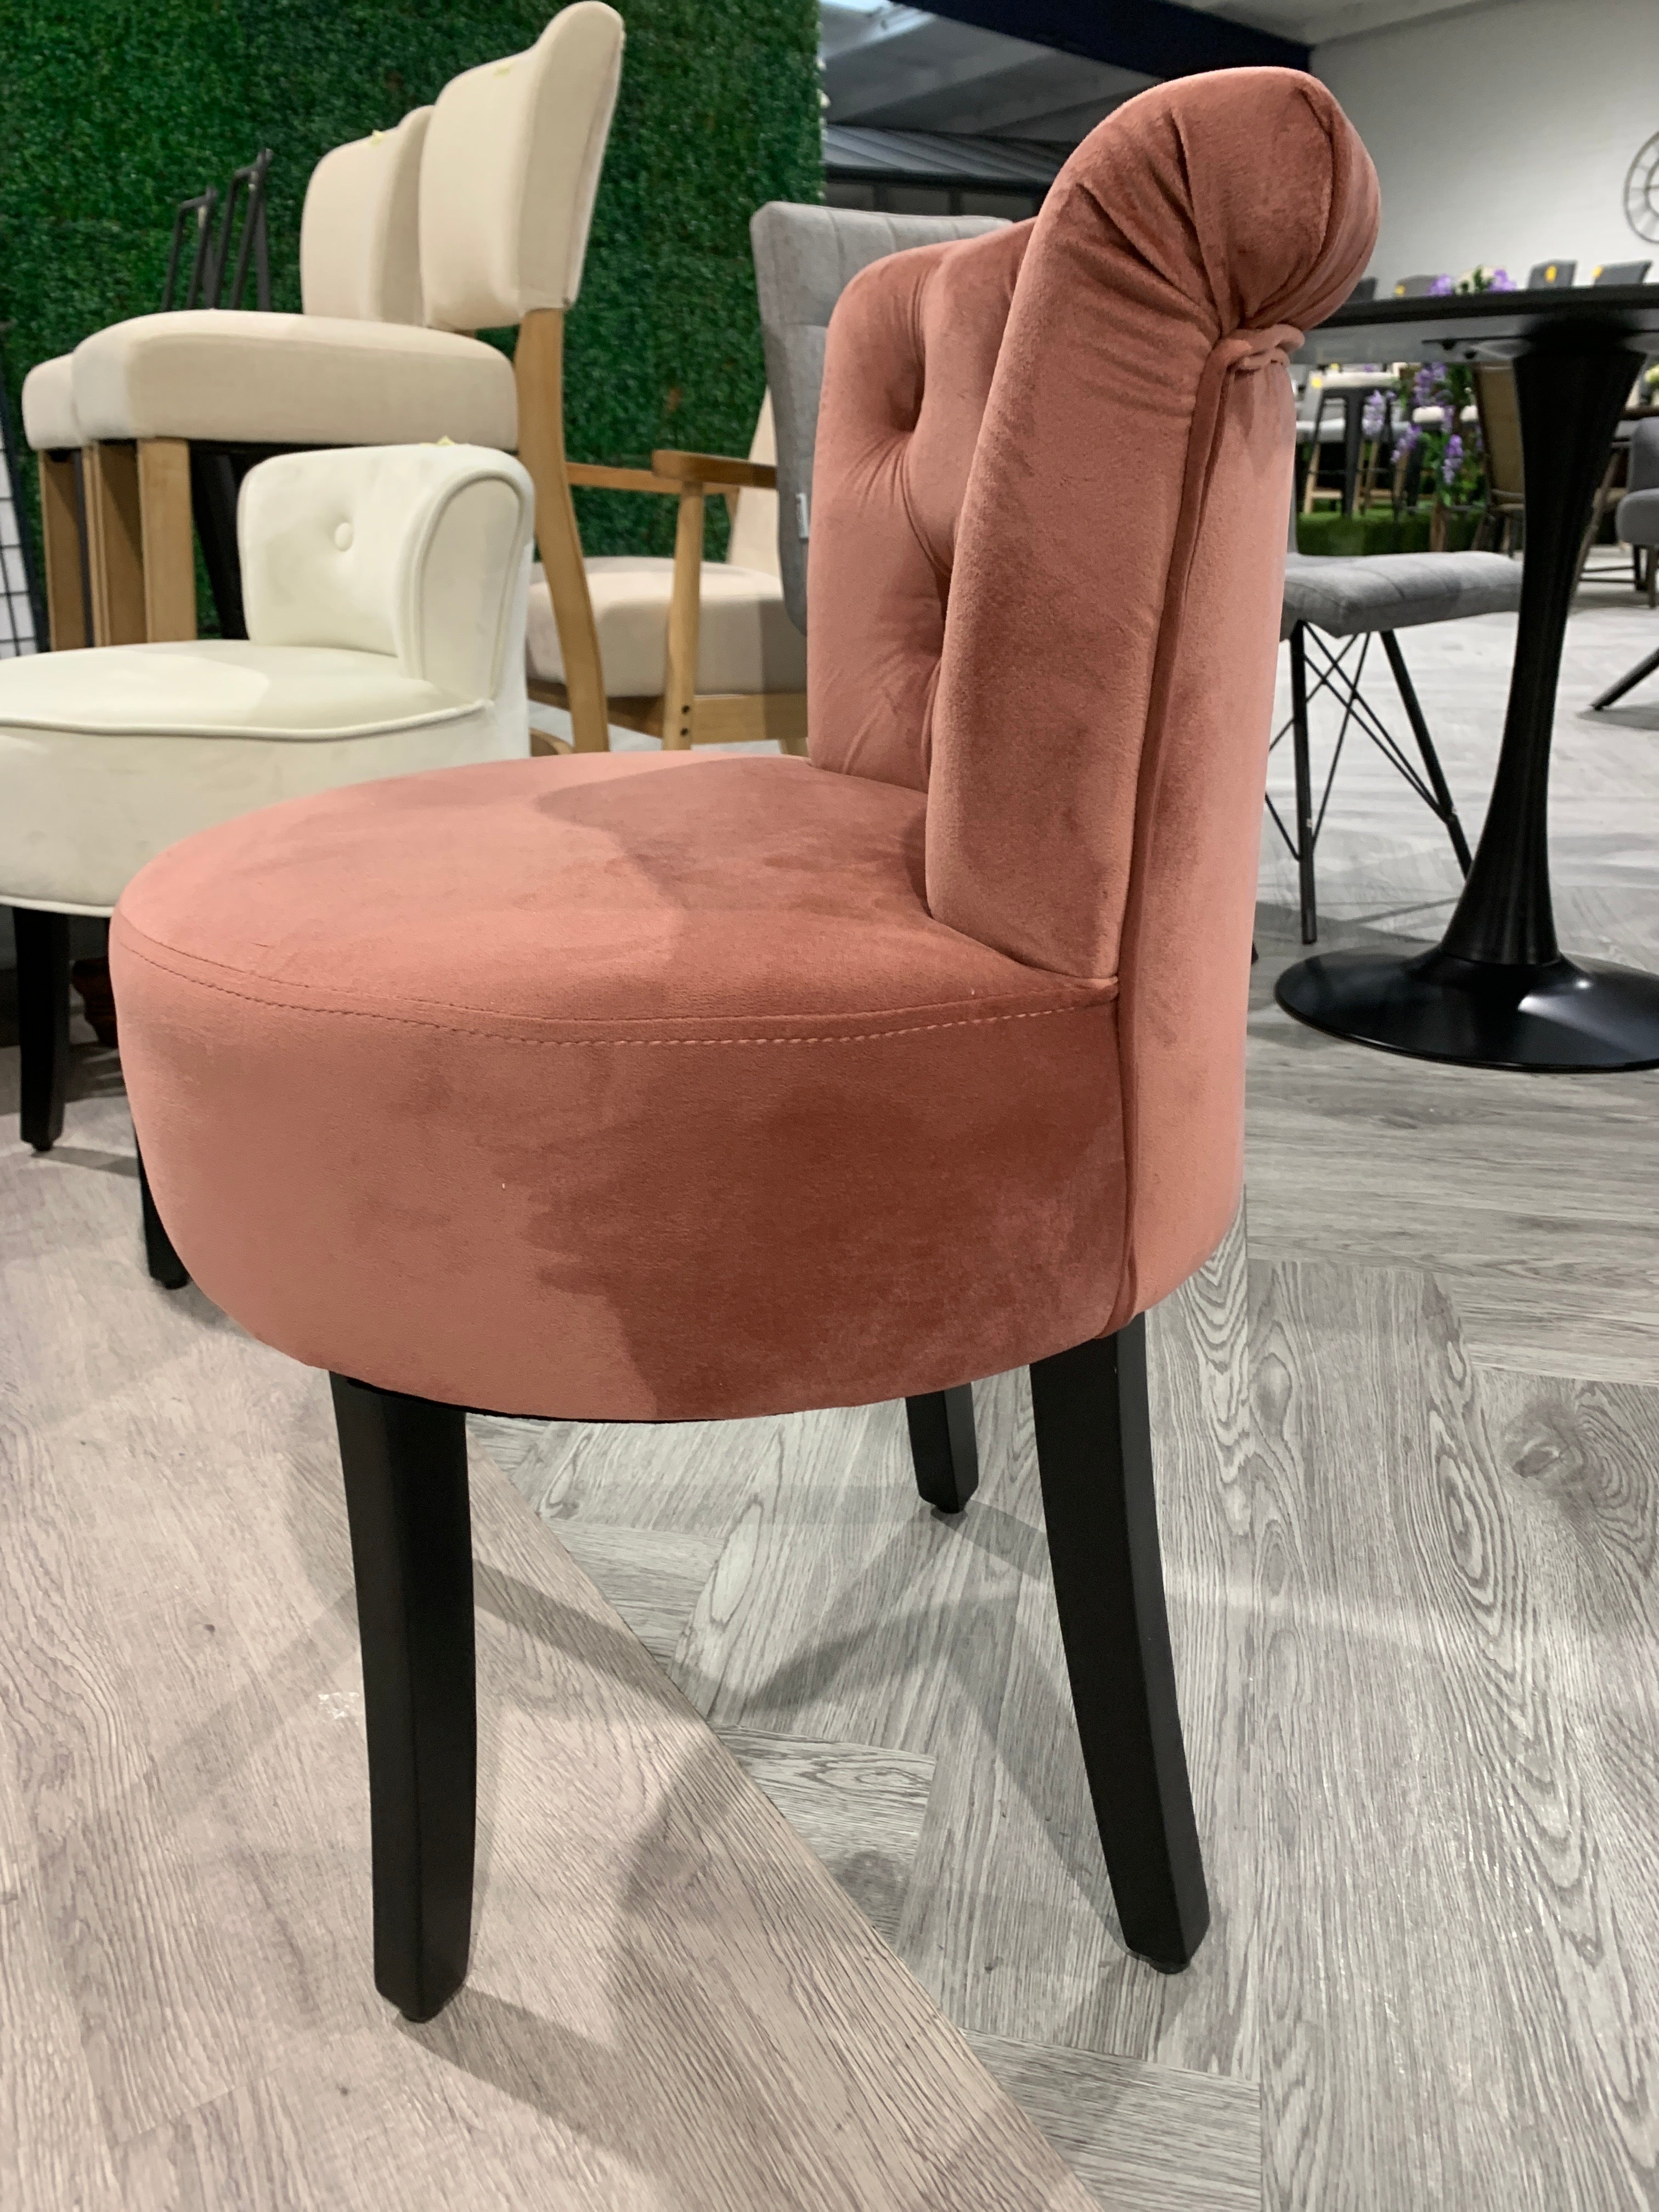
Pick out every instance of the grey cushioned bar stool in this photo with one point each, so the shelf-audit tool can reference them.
(805, 259)
(1334, 606)
(1638, 527)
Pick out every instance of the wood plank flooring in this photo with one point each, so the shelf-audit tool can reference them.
(1406, 1452)
(1408, 1428)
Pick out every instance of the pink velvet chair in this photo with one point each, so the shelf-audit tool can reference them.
(631, 1087)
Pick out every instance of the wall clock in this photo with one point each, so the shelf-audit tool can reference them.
(1642, 192)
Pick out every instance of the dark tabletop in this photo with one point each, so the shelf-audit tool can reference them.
(1463, 325)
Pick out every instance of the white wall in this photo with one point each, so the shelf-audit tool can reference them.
(1502, 134)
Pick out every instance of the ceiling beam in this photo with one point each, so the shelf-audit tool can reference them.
(1155, 36)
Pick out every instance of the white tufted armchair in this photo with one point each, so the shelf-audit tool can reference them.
(385, 592)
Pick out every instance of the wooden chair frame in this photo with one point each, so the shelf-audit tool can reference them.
(141, 546)
(67, 577)
(681, 717)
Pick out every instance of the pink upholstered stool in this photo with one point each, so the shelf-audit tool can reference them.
(650, 1089)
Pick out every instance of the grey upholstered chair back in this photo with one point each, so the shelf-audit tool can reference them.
(805, 257)
(1638, 510)
(1622, 272)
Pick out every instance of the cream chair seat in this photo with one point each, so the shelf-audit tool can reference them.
(384, 590)
(49, 422)
(747, 641)
(223, 375)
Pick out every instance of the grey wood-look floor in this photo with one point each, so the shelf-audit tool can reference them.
(1407, 1427)
(1409, 1468)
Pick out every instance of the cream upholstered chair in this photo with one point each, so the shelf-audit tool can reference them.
(359, 258)
(384, 590)
(693, 652)
(507, 179)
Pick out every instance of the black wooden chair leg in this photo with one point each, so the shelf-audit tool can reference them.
(43, 1018)
(405, 1461)
(1095, 1455)
(1304, 812)
(165, 1266)
(943, 1446)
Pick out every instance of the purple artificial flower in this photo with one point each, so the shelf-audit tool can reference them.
(1407, 442)
(1502, 281)
(1453, 460)
(1375, 415)
(1440, 287)
(1424, 386)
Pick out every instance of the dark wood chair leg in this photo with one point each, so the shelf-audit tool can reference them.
(43, 1018)
(1304, 810)
(165, 1266)
(405, 1461)
(1095, 1455)
(943, 1446)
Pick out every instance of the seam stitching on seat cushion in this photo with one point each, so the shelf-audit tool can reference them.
(601, 1045)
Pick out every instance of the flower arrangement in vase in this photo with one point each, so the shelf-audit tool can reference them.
(1450, 459)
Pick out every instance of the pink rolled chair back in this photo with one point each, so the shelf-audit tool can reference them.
(1052, 478)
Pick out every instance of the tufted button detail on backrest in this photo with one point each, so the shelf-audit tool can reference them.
(511, 171)
(410, 552)
(805, 259)
(907, 368)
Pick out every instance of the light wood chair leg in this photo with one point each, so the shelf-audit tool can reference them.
(115, 544)
(539, 371)
(168, 539)
(69, 619)
(684, 611)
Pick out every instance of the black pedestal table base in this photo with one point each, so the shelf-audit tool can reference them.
(1545, 1017)
(1498, 991)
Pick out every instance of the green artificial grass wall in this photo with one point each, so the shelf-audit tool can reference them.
(112, 110)
(1381, 531)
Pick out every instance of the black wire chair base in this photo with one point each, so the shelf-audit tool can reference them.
(1329, 662)
(1627, 682)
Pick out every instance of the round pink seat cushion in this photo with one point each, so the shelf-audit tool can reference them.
(616, 1087)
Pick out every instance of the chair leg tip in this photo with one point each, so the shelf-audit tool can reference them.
(1163, 1966)
(425, 2004)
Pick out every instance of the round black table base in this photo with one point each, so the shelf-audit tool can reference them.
(1562, 1016)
